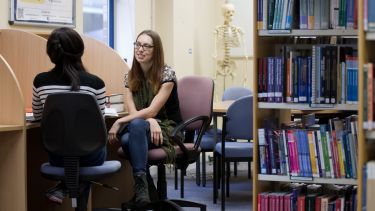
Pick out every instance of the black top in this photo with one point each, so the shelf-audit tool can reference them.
(172, 106)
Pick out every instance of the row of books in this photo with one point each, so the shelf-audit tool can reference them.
(315, 74)
(299, 197)
(369, 15)
(307, 14)
(368, 184)
(321, 151)
(368, 97)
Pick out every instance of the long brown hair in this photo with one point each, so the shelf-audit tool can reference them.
(136, 75)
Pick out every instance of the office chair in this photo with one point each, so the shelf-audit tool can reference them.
(195, 95)
(208, 140)
(237, 124)
(73, 126)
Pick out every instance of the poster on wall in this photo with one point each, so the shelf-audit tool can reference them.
(49, 13)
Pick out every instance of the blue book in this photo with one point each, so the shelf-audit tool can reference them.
(307, 153)
(302, 79)
(271, 148)
(289, 15)
(303, 14)
(271, 79)
(350, 14)
(279, 80)
(309, 79)
(371, 14)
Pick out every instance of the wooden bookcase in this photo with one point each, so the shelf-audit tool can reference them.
(366, 44)
(264, 42)
(12, 141)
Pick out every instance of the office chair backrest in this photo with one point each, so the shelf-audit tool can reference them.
(233, 93)
(72, 124)
(195, 95)
(239, 119)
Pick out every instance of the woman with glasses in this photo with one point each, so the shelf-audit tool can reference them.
(153, 106)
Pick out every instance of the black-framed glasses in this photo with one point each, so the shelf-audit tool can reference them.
(145, 47)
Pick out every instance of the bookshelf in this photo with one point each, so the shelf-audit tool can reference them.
(366, 44)
(12, 141)
(265, 42)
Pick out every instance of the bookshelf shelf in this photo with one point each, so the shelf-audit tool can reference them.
(307, 107)
(309, 33)
(279, 178)
(6, 128)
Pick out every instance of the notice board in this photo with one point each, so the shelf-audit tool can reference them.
(49, 13)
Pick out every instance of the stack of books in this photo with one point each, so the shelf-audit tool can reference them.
(114, 104)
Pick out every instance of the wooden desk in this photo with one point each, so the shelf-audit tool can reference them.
(221, 106)
(219, 109)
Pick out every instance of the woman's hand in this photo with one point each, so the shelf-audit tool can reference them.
(112, 134)
(155, 130)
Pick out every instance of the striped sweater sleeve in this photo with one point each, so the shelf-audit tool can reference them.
(37, 105)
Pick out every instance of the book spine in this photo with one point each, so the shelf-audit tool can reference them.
(259, 14)
(303, 14)
(313, 157)
(310, 14)
(317, 14)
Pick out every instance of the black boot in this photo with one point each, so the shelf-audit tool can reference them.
(141, 189)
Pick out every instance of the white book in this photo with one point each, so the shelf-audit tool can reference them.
(115, 98)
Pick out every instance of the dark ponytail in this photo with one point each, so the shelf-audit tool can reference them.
(65, 48)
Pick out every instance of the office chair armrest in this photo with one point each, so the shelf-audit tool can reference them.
(181, 127)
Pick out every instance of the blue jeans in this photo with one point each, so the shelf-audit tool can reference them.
(136, 142)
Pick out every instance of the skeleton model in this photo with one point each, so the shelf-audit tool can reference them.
(227, 37)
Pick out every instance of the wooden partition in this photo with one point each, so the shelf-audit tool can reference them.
(22, 186)
(26, 54)
(104, 62)
(12, 141)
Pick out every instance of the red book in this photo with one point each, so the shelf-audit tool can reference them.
(301, 201)
(318, 203)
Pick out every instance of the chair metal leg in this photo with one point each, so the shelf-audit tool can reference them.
(175, 178)
(235, 168)
(222, 164)
(183, 173)
(215, 188)
(203, 169)
(162, 183)
(249, 170)
(184, 203)
(197, 170)
(227, 179)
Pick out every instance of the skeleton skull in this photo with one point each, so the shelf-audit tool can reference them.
(228, 12)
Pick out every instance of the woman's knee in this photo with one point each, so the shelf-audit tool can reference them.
(138, 124)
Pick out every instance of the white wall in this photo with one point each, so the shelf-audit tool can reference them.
(124, 28)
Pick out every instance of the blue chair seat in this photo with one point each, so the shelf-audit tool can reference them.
(85, 173)
(208, 143)
(236, 149)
